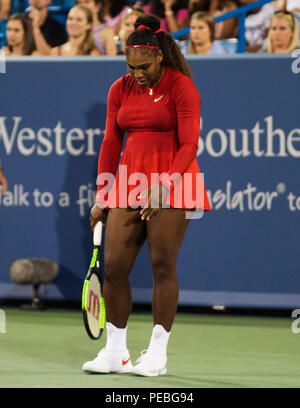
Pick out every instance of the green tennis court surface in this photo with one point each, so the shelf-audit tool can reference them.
(48, 348)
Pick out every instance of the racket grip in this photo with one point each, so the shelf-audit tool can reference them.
(98, 233)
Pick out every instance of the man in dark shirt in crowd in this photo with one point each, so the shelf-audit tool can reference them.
(47, 31)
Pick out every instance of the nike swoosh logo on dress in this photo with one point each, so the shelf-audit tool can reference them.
(157, 99)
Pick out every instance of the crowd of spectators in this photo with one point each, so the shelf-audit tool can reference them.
(101, 27)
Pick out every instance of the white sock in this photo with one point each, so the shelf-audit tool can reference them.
(116, 338)
(159, 340)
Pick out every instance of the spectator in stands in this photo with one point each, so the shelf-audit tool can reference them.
(127, 27)
(293, 5)
(289, 5)
(283, 36)
(229, 27)
(139, 4)
(173, 14)
(19, 36)
(5, 6)
(199, 5)
(210, 6)
(202, 36)
(103, 34)
(47, 32)
(257, 25)
(3, 181)
(79, 28)
(112, 12)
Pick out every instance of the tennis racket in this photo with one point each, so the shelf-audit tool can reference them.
(93, 307)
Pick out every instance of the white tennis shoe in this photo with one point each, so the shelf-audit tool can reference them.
(109, 362)
(150, 364)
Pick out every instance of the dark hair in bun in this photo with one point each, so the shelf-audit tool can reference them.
(152, 36)
(150, 21)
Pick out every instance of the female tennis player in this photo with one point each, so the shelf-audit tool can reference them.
(159, 106)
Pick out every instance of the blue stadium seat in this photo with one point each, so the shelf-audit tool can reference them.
(2, 32)
(229, 44)
(60, 13)
(66, 4)
(18, 6)
(63, 3)
(61, 18)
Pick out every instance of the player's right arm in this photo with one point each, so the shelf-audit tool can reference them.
(109, 153)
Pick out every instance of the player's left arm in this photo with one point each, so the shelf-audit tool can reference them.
(187, 103)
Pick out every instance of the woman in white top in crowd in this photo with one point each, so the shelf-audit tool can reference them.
(79, 28)
(103, 34)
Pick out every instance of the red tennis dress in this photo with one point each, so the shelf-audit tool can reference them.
(162, 125)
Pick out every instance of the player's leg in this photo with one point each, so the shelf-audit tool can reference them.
(124, 236)
(165, 235)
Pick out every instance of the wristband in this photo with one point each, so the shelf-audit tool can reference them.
(99, 199)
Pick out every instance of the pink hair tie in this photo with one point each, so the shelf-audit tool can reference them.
(148, 28)
(142, 46)
(143, 26)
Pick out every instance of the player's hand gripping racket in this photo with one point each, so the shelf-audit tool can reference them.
(93, 306)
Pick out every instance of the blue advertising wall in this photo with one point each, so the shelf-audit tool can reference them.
(244, 253)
